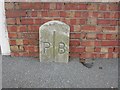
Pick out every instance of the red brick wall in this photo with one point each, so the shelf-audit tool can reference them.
(94, 27)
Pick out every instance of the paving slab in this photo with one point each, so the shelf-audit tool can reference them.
(25, 72)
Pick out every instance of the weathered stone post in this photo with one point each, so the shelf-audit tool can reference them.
(54, 42)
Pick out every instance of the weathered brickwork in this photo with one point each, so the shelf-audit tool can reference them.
(93, 27)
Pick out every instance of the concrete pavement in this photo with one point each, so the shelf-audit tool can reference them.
(24, 72)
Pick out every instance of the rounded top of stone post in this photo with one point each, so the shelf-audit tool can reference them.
(53, 23)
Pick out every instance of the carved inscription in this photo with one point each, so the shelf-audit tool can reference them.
(61, 48)
(46, 46)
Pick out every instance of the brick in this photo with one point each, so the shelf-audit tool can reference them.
(33, 54)
(74, 42)
(26, 41)
(111, 36)
(114, 15)
(78, 14)
(37, 6)
(33, 28)
(36, 49)
(107, 55)
(116, 49)
(90, 14)
(113, 7)
(75, 35)
(110, 55)
(87, 43)
(83, 36)
(12, 42)
(20, 35)
(53, 6)
(76, 50)
(12, 35)
(92, 21)
(16, 54)
(32, 13)
(104, 49)
(72, 6)
(103, 55)
(46, 6)
(44, 20)
(71, 28)
(116, 55)
(103, 22)
(17, 6)
(95, 55)
(33, 42)
(74, 55)
(53, 13)
(101, 15)
(55, 18)
(89, 49)
(44, 13)
(12, 28)
(26, 21)
(109, 43)
(18, 20)
(91, 36)
(70, 14)
(67, 6)
(63, 14)
(14, 48)
(9, 6)
(67, 21)
(39, 13)
(34, 36)
(86, 55)
(19, 42)
(25, 54)
(97, 43)
(21, 48)
(26, 5)
(76, 28)
(82, 6)
(84, 14)
(110, 49)
(97, 49)
(73, 21)
(15, 13)
(11, 21)
(24, 35)
(106, 14)
(100, 36)
(22, 28)
(92, 6)
(88, 27)
(109, 29)
(95, 14)
(29, 48)
(113, 22)
(37, 21)
(59, 6)
(102, 7)
(81, 21)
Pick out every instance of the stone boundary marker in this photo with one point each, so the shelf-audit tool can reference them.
(54, 42)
